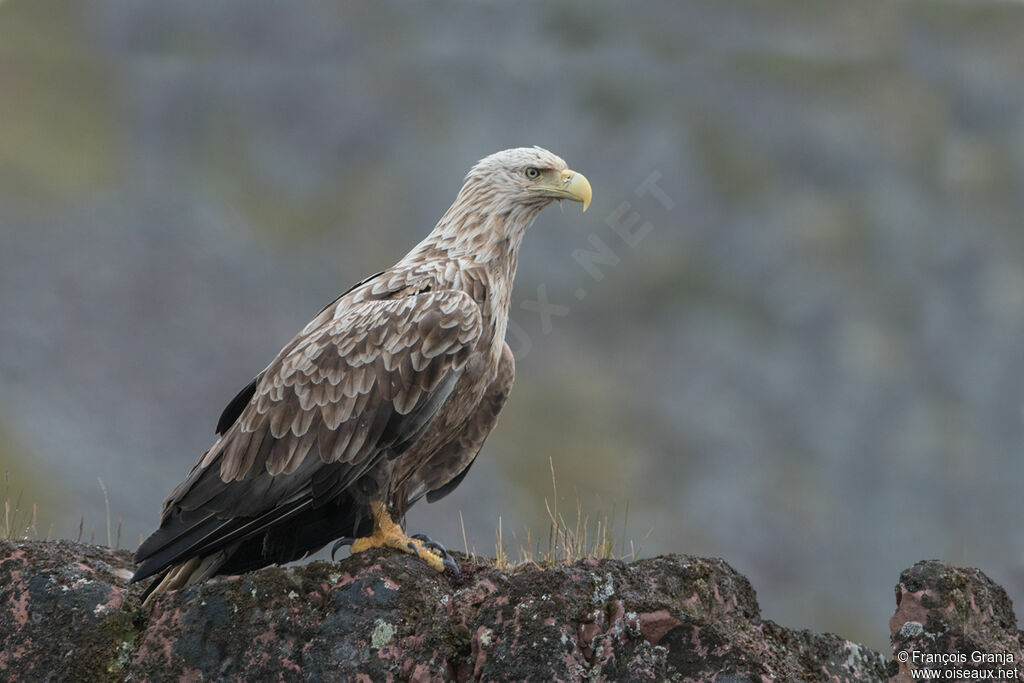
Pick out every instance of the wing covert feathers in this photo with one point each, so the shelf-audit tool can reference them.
(333, 384)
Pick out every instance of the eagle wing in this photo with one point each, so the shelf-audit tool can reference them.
(449, 466)
(359, 384)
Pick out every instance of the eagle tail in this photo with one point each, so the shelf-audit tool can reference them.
(185, 554)
(169, 544)
(191, 571)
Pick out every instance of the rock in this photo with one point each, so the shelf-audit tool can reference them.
(952, 619)
(67, 613)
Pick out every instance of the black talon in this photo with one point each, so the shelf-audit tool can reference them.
(412, 546)
(446, 559)
(342, 542)
(431, 543)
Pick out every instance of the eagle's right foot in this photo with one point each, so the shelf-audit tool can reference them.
(388, 534)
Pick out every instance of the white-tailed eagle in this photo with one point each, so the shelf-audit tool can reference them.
(385, 397)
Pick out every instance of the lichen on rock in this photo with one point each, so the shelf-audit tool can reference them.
(960, 613)
(68, 613)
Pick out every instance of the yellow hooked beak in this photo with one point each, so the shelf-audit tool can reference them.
(571, 185)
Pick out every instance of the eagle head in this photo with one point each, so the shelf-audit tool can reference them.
(525, 177)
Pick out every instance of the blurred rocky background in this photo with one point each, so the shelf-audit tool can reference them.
(809, 363)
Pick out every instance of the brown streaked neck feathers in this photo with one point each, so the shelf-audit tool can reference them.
(477, 231)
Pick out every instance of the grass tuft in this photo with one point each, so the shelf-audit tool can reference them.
(568, 543)
(18, 522)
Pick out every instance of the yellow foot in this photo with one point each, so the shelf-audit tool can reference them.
(388, 534)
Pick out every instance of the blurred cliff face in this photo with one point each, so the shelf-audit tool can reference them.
(788, 332)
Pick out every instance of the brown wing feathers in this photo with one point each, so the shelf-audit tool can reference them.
(328, 387)
(367, 380)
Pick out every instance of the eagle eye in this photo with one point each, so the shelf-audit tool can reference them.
(532, 173)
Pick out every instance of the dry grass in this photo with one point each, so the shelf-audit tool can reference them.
(18, 523)
(111, 542)
(568, 541)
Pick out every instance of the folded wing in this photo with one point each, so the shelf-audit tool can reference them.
(354, 387)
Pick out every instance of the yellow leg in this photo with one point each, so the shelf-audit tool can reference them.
(387, 534)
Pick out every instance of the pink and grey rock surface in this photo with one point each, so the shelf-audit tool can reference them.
(961, 613)
(68, 613)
